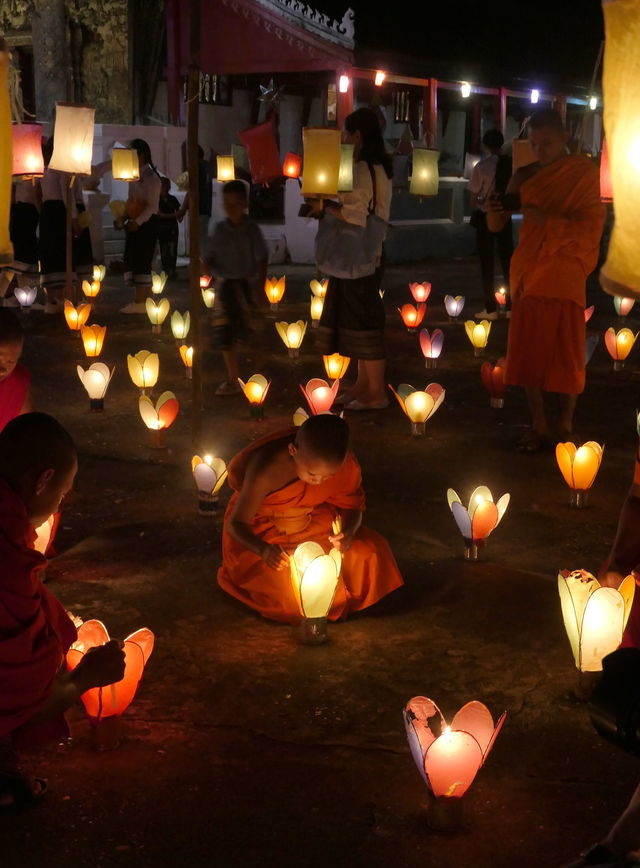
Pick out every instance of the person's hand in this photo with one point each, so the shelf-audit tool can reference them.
(100, 666)
(494, 204)
(341, 541)
(274, 557)
(132, 226)
(534, 213)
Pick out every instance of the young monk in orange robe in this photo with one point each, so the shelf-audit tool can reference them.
(557, 250)
(289, 487)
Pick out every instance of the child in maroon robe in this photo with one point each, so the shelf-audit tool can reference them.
(15, 379)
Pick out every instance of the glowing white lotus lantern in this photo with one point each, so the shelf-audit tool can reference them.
(454, 305)
(157, 312)
(419, 405)
(314, 577)
(209, 475)
(158, 282)
(96, 379)
(180, 325)
(25, 296)
(292, 335)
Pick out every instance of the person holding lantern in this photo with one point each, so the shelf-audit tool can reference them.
(559, 196)
(290, 487)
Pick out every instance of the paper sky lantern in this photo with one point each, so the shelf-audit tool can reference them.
(99, 272)
(482, 516)
(180, 324)
(125, 165)
(144, 369)
(226, 168)
(255, 391)
(424, 172)
(470, 162)
(91, 289)
(419, 406)
(454, 305)
(96, 381)
(412, 316)
(292, 165)
(336, 365)
(449, 762)
(292, 335)
(320, 395)
(501, 297)
(620, 275)
(478, 334)
(522, 153)
(595, 616)
(619, 344)
(93, 339)
(73, 139)
(263, 152)
(588, 312)
(579, 467)
(45, 535)
(209, 475)
(493, 380)
(76, 317)
(319, 287)
(465, 90)
(186, 354)
(274, 290)
(431, 346)
(208, 297)
(606, 192)
(158, 282)
(25, 296)
(111, 701)
(420, 291)
(158, 417)
(27, 150)
(315, 310)
(379, 78)
(321, 169)
(623, 305)
(345, 176)
(157, 312)
(314, 577)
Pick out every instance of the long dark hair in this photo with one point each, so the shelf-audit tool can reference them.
(143, 149)
(365, 121)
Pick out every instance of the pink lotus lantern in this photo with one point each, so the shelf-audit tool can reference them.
(320, 395)
(420, 291)
(501, 298)
(412, 316)
(623, 305)
(493, 379)
(431, 346)
(619, 345)
(588, 312)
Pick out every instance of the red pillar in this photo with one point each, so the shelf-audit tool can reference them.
(500, 111)
(560, 105)
(344, 100)
(430, 114)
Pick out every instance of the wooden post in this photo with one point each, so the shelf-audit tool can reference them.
(193, 93)
(344, 101)
(500, 111)
(430, 114)
(71, 288)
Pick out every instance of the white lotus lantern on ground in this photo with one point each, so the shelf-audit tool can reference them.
(96, 379)
(25, 296)
(454, 305)
(292, 335)
(209, 475)
(314, 577)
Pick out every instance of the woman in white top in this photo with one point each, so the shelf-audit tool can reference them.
(353, 318)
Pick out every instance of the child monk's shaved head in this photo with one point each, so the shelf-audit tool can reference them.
(320, 448)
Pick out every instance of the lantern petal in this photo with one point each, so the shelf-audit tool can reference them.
(425, 343)
(570, 617)
(462, 518)
(300, 417)
(318, 586)
(167, 411)
(222, 478)
(148, 412)
(469, 327)
(404, 390)
(414, 744)
(452, 497)
(205, 477)
(475, 718)
(485, 519)
(437, 342)
(145, 639)
(91, 633)
(399, 398)
(627, 590)
(564, 457)
(496, 733)
(437, 393)
(502, 505)
(451, 764)
(602, 628)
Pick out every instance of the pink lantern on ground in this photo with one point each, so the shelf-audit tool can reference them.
(588, 312)
(412, 316)
(27, 150)
(431, 346)
(493, 379)
(501, 297)
(320, 395)
(420, 291)
(262, 151)
(623, 305)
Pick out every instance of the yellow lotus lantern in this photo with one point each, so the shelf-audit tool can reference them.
(186, 354)
(208, 297)
(321, 170)
(158, 282)
(144, 369)
(425, 178)
(159, 416)
(319, 287)
(579, 467)
(180, 325)
(226, 168)
(91, 289)
(93, 339)
(96, 381)
(292, 335)
(595, 616)
(274, 290)
(125, 165)
(209, 475)
(476, 522)
(478, 334)
(336, 365)
(345, 176)
(99, 272)
(73, 139)
(76, 317)
(157, 312)
(316, 308)
(314, 577)
(418, 405)
(619, 344)
(255, 391)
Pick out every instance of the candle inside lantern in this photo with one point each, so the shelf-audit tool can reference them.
(73, 139)
(623, 305)
(379, 78)
(465, 90)
(493, 380)
(501, 297)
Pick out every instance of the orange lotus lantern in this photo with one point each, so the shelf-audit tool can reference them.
(209, 475)
(109, 703)
(205, 280)
(420, 291)
(27, 150)
(476, 522)
(454, 305)
(588, 312)
(158, 417)
(76, 317)
(319, 287)
(255, 391)
(431, 346)
(186, 354)
(96, 381)
(320, 395)
(93, 339)
(274, 290)
(91, 289)
(412, 316)
(292, 165)
(419, 406)
(493, 380)
(336, 365)
(579, 468)
(619, 344)
(623, 305)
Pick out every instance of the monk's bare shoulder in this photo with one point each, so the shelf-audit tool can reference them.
(269, 467)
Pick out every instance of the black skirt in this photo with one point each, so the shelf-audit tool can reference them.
(83, 252)
(23, 227)
(53, 244)
(138, 253)
(353, 318)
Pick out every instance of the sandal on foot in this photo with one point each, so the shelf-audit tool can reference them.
(533, 442)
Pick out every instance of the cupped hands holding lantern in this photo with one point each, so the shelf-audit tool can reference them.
(99, 667)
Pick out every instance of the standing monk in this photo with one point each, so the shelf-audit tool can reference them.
(559, 196)
(289, 487)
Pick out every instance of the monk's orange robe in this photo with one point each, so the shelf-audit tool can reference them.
(292, 515)
(549, 270)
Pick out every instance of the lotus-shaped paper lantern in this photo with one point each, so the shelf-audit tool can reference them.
(99, 272)
(501, 298)
(208, 297)
(320, 395)
(588, 312)
(319, 287)
(159, 417)
(180, 325)
(595, 616)
(493, 380)
(579, 467)
(93, 339)
(449, 757)
(144, 369)
(91, 289)
(274, 290)
(419, 406)
(623, 305)
(420, 291)
(96, 381)
(478, 334)
(300, 416)
(25, 296)
(205, 280)
(46, 534)
(336, 365)
(412, 316)
(255, 391)
(454, 305)
(476, 523)
(158, 282)
(317, 306)
(292, 165)
(209, 475)
(292, 335)
(76, 317)
(157, 312)
(314, 576)
(186, 354)
(619, 345)
(431, 346)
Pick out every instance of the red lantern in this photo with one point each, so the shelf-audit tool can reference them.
(262, 150)
(493, 380)
(27, 150)
(606, 191)
(292, 165)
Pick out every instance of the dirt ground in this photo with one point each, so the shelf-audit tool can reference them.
(242, 747)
